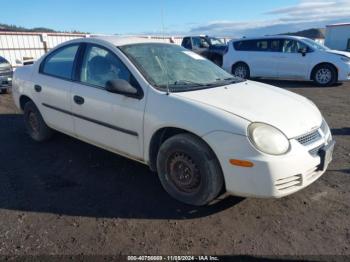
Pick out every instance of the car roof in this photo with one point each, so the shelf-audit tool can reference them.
(270, 37)
(120, 40)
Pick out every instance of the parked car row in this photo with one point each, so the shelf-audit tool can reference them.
(203, 130)
(282, 57)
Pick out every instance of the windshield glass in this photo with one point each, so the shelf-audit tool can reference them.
(216, 41)
(173, 68)
(315, 45)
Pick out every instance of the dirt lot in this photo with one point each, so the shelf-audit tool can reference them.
(67, 197)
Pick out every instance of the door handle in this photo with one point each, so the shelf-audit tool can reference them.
(37, 88)
(79, 100)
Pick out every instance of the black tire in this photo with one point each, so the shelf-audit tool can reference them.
(241, 70)
(325, 75)
(188, 156)
(35, 124)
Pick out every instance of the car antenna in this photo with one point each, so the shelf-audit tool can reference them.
(163, 36)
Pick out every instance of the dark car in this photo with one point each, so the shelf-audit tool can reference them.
(5, 75)
(211, 48)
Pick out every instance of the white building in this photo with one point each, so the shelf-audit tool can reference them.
(338, 37)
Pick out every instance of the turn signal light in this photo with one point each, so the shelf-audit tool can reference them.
(241, 163)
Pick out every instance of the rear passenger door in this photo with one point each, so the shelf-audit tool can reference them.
(106, 119)
(259, 57)
(52, 87)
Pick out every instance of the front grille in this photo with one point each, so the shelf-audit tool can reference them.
(288, 182)
(309, 138)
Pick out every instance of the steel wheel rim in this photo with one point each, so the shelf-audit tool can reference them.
(33, 122)
(324, 76)
(241, 72)
(184, 173)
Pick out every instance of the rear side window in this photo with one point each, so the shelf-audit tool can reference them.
(275, 45)
(247, 45)
(60, 63)
(262, 45)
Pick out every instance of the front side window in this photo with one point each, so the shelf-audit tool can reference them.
(196, 42)
(60, 63)
(293, 46)
(169, 66)
(100, 66)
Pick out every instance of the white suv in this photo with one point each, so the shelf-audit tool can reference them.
(200, 128)
(286, 57)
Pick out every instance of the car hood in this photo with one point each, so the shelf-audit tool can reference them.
(342, 53)
(293, 114)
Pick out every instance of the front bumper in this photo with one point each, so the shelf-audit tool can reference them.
(344, 72)
(271, 176)
(5, 81)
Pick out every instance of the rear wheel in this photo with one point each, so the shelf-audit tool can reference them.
(35, 124)
(189, 170)
(325, 75)
(241, 70)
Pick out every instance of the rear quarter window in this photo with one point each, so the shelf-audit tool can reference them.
(245, 45)
(60, 63)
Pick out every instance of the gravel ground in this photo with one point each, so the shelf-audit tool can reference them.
(68, 197)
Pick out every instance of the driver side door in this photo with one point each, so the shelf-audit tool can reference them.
(108, 120)
(291, 64)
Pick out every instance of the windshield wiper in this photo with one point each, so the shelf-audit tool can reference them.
(230, 80)
(187, 82)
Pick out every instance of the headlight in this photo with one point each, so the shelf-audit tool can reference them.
(345, 59)
(268, 139)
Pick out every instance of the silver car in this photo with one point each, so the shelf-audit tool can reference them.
(5, 75)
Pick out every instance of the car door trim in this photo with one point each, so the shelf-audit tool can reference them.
(119, 129)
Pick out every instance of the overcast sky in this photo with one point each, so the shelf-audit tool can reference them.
(216, 17)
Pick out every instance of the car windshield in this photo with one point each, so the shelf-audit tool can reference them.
(315, 45)
(175, 69)
(216, 41)
(4, 62)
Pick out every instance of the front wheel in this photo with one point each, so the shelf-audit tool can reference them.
(325, 75)
(188, 170)
(241, 70)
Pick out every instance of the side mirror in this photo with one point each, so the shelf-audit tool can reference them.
(303, 51)
(122, 87)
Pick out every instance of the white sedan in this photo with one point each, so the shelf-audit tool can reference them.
(200, 128)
